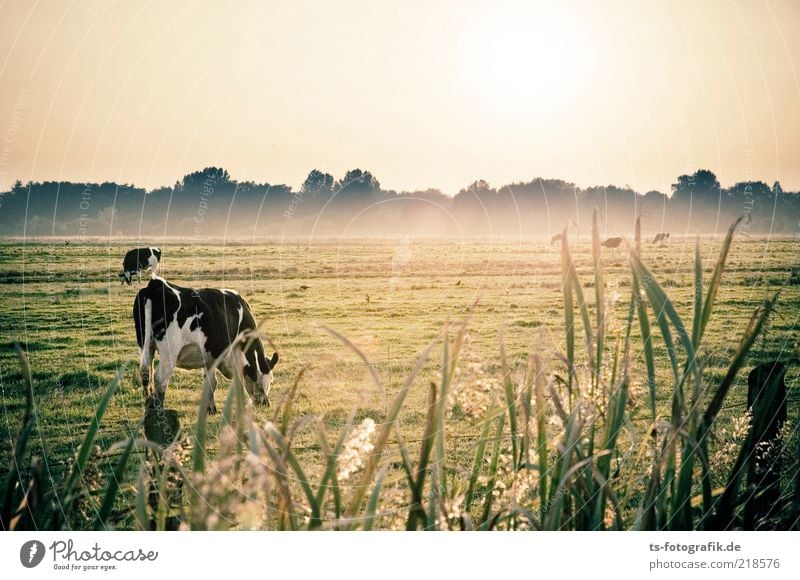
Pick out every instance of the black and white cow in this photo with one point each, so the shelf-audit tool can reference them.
(138, 260)
(191, 329)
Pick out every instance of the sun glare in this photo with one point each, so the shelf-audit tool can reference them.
(536, 56)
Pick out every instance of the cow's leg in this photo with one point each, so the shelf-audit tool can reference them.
(166, 366)
(211, 380)
(146, 368)
(148, 345)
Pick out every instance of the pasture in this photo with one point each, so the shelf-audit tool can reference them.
(66, 307)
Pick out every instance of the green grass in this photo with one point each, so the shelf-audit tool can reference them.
(65, 306)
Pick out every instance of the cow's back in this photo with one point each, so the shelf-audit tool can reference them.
(221, 316)
(229, 315)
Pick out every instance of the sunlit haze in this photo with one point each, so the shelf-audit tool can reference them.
(422, 94)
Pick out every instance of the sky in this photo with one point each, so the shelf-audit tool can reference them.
(422, 93)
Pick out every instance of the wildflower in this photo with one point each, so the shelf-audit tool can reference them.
(450, 510)
(474, 391)
(355, 450)
(730, 440)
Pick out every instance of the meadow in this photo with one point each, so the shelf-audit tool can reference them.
(391, 298)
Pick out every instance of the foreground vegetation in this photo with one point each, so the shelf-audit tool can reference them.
(627, 420)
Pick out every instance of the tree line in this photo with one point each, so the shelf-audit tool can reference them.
(210, 203)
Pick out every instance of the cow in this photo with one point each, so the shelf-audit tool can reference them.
(611, 243)
(556, 238)
(661, 237)
(137, 261)
(192, 329)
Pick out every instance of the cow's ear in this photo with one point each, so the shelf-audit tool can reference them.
(273, 361)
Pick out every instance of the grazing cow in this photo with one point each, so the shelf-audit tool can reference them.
(611, 243)
(661, 237)
(556, 238)
(138, 260)
(191, 329)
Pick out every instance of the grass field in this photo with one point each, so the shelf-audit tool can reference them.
(66, 307)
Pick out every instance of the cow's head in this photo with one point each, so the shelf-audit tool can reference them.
(126, 277)
(260, 391)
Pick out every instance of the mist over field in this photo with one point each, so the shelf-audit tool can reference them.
(212, 203)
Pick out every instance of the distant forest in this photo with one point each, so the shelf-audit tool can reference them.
(209, 203)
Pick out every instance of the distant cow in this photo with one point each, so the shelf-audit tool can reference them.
(661, 237)
(611, 243)
(138, 260)
(556, 238)
(190, 329)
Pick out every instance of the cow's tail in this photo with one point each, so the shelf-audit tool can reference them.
(140, 317)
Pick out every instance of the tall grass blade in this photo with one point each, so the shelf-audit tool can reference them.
(291, 458)
(569, 312)
(616, 418)
(599, 289)
(201, 429)
(140, 508)
(487, 504)
(716, 278)
(698, 294)
(662, 305)
(372, 503)
(286, 410)
(583, 308)
(511, 403)
(281, 474)
(417, 486)
(647, 344)
(541, 433)
(563, 470)
(665, 314)
(480, 452)
(113, 486)
(20, 445)
(85, 450)
(330, 464)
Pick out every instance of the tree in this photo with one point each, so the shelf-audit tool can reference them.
(212, 177)
(701, 185)
(476, 195)
(318, 185)
(479, 189)
(357, 183)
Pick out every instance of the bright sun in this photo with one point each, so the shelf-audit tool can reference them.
(532, 55)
